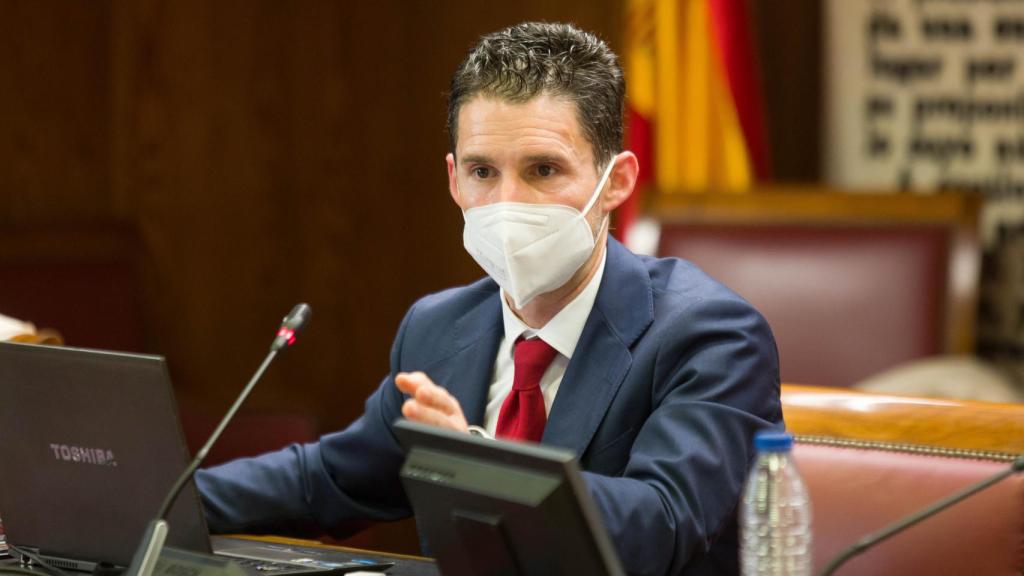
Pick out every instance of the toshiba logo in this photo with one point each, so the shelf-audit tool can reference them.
(97, 456)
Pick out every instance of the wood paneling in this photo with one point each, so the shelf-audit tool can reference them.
(267, 153)
(789, 43)
(54, 111)
(270, 152)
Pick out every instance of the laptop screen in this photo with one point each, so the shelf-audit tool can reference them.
(90, 445)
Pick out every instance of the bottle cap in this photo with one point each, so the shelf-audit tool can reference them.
(773, 441)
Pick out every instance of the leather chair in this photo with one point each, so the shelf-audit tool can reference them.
(852, 284)
(81, 280)
(870, 459)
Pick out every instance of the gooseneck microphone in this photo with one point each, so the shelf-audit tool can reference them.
(871, 540)
(152, 543)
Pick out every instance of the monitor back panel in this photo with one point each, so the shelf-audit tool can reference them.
(491, 507)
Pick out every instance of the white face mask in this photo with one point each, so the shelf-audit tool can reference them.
(531, 249)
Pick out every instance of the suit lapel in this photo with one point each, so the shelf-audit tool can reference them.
(623, 310)
(591, 381)
(466, 372)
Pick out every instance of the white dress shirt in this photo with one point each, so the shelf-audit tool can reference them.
(561, 332)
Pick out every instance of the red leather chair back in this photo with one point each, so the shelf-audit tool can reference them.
(869, 460)
(848, 290)
(844, 302)
(858, 491)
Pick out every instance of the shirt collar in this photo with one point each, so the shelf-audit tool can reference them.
(563, 331)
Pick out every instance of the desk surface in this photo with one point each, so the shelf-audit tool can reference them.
(404, 565)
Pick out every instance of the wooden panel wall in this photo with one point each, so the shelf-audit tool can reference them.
(789, 42)
(268, 153)
(54, 111)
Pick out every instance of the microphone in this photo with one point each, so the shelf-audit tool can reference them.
(144, 560)
(291, 325)
(871, 540)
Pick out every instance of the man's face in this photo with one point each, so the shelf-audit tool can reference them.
(532, 152)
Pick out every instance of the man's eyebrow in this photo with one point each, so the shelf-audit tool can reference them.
(475, 159)
(545, 159)
(532, 159)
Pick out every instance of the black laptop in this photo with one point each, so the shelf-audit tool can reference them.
(90, 443)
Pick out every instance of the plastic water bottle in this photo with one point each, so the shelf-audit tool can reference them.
(775, 515)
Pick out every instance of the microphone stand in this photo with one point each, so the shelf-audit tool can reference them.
(871, 540)
(146, 555)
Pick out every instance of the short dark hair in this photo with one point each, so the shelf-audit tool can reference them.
(526, 60)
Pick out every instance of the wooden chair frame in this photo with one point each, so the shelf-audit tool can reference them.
(956, 213)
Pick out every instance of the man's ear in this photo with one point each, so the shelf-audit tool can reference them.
(453, 184)
(621, 181)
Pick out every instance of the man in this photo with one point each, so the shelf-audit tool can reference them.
(653, 374)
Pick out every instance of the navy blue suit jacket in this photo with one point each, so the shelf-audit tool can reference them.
(671, 378)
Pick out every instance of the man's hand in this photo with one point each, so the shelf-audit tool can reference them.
(430, 404)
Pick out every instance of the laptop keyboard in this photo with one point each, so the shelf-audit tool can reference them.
(264, 567)
(255, 567)
(268, 568)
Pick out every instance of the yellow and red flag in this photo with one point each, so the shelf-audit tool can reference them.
(694, 112)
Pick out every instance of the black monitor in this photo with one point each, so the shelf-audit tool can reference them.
(488, 507)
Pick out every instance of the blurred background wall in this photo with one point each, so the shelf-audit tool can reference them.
(239, 157)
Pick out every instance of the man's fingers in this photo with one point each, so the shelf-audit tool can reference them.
(409, 382)
(428, 402)
(422, 388)
(417, 411)
(437, 398)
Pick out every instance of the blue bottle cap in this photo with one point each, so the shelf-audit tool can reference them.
(772, 441)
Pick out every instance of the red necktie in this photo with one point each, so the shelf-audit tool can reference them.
(522, 415)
